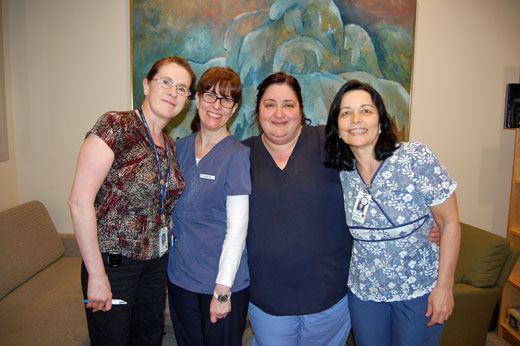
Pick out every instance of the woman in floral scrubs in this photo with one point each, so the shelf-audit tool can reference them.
(400, 284)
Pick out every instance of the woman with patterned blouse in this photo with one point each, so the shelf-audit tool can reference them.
(126, 184)
(400, 284)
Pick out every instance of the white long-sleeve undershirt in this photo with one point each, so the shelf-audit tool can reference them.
(237, 210)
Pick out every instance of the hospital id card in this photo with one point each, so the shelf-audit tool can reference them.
(361, 206)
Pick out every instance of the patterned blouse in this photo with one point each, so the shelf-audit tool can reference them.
(392, 259)
(127, 204)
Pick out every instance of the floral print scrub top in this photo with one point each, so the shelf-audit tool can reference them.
(392, 259)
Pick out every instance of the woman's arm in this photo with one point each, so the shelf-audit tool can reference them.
(237, 209)
(94, 161)
(440, 301)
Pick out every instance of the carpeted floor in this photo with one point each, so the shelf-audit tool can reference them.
(494, 340)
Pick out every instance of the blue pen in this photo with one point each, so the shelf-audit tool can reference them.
(114, 301)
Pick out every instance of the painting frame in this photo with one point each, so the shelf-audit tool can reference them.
(155, 21)
(4, 143)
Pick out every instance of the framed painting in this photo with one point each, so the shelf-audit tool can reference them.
(323, 43)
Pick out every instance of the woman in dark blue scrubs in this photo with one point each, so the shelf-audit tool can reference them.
(207, 269)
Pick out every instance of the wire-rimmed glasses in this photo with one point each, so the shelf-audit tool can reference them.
(168, 84)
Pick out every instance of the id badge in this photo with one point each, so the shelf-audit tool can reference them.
(361, 206)
(163, 241)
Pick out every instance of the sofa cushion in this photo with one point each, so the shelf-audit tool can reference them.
(47, 309)
(482, 256)
(28, 243)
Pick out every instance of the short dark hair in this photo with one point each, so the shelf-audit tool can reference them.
(226, 79)
(281, 78)
(339, 154)
(172, 60)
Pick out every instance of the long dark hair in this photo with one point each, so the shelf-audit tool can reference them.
(339, 154)
(226, 79)
(281, 78)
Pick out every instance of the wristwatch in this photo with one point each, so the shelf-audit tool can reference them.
(221, 298)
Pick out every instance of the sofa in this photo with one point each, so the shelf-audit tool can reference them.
(40, 289)
(485, 262)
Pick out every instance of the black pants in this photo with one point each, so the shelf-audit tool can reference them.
(191, 319)
(141, 284)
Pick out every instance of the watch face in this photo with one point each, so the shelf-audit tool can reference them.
(223, 298)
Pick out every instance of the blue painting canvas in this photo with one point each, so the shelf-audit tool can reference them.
(323, 43)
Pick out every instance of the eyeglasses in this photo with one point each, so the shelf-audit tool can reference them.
(168, 84)
(210, 97)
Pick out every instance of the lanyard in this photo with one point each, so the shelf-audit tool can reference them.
(163, 183)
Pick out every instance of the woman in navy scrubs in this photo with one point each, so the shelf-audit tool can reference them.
(207, 270)
(298, 244)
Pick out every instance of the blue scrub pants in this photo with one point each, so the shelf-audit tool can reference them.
(400, 323)
(327, 328)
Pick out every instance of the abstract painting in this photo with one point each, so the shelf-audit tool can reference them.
(323, 43)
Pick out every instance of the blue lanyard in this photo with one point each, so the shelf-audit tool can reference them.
(163, 184)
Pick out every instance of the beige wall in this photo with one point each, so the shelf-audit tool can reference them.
(70, 62)
(465, 53)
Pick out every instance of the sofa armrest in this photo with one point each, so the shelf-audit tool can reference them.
(70, 245)
(469, 322)
(482, 257)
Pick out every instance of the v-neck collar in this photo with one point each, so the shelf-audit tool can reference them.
(209, 153)
(270, 160)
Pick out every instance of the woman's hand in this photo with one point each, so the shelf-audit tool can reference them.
(440, 305)
(434, 235)
(99, 293)
(218, 310)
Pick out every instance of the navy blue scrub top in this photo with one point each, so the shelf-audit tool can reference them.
(199, 218)
(298, 243)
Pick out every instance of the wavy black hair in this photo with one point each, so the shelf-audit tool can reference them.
(339, 154)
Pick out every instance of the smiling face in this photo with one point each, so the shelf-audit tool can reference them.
(279, 114)
(162, 102)
(212, 115)
(358, 120)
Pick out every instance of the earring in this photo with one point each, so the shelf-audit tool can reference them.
(339, 135)
(379, 131)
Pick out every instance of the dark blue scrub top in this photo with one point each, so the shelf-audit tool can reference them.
(298, 243)
(199, 218)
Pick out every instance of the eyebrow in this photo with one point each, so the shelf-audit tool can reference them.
(273, 100)
(168, 78)
(363, 105)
